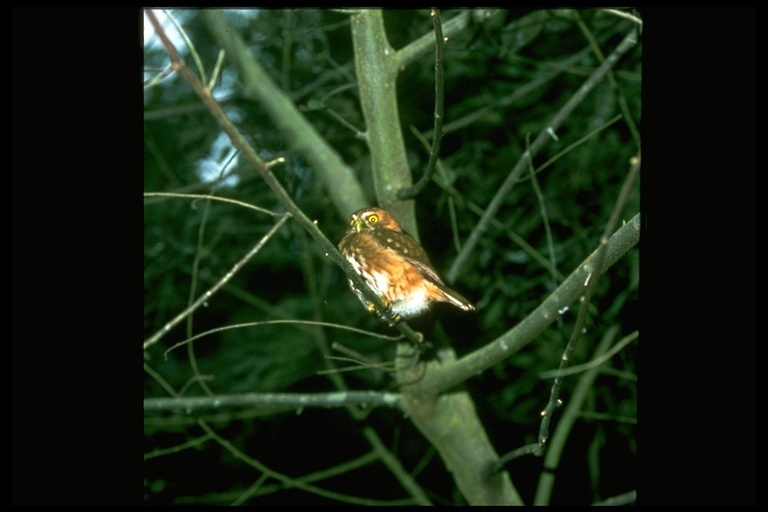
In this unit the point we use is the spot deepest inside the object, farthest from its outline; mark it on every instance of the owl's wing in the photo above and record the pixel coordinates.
(450, 295)
(413, 254)
(426, 270)
(408, 249)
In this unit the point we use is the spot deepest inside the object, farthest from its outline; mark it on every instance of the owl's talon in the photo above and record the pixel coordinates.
(388, 317)
(385, 315)
(394, 320)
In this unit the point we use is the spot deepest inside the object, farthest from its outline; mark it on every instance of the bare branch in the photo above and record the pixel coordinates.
(421, 47)
(411, 192)
(590, 286)
(339, 180)
(544, 136)
(570, 415)
(271, 401)
(282, 195)
(450, 375)
(377, 67)
(215, 288)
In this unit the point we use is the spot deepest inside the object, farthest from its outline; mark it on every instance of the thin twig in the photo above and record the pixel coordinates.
(409, 54)
(358, 366)
(545, 221)
(216, 70)
(570, 147)
(528, 449)
(353, 355)
(626, 498)
(156, 79)
(215, 288)
(192, 443)
(396, 468)
(413, 191)
(542, 78)
(625, 15)
(565, 425)
(590, 285)
(272, 182)
(194, 277)
(214, 198)
(188, 42)
(622, 100)
(623, 342)
(543, 138)
(324, 474)
(292, 482)
(273, 322)
(449, 375)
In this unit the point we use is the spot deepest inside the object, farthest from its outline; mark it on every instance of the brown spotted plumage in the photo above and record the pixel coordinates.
(394, 265)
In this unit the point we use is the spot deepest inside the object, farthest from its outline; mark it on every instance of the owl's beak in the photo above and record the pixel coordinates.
(358, 225)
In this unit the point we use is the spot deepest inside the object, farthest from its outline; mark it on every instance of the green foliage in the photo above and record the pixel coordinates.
(191, 244)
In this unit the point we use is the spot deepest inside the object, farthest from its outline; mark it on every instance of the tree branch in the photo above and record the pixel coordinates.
(270, 401)
(589, 289)
(544, 136)
(571, 413)
(264, 169)
(447, 376)
(339, 180)
(216, 287)
(449, 422)
(412, 192)
(377, 66)
(410, 53)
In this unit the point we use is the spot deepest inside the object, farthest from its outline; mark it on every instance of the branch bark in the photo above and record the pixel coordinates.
(446, 376)
(377, 66)
(269, 401)
(448, 421)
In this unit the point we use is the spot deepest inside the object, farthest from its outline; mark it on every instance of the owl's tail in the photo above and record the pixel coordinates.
(455, 297)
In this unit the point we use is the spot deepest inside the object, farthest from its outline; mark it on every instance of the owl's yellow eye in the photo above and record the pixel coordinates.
(351, 222)
(373, 219)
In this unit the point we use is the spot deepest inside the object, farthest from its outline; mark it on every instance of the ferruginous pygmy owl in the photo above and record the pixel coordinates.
(394, 265)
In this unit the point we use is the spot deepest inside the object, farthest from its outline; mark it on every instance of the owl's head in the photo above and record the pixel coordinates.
(372, 218)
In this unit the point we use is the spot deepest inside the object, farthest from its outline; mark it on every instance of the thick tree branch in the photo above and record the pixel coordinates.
(447, 376)
(377, 66)
(449, 421)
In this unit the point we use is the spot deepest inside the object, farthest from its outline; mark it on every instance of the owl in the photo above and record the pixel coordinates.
(394, 265)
